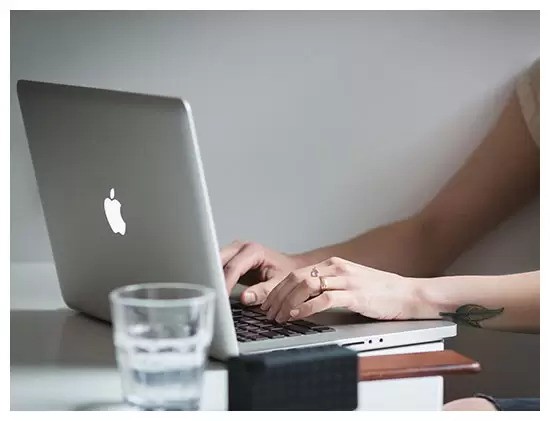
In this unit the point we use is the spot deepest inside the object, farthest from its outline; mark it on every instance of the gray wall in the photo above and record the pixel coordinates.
(313, 125)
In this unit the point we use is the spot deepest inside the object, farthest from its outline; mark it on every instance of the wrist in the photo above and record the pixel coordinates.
(428, 298)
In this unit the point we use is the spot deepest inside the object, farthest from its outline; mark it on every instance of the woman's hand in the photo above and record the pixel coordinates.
(370, 292)
(257, 266)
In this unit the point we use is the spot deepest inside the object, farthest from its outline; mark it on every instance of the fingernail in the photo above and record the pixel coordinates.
(294, 313)
(249, 298)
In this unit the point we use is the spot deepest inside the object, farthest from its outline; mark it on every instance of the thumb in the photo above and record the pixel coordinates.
(256, 294)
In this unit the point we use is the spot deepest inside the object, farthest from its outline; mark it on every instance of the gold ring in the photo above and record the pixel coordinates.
(314, 272)
(323, 283)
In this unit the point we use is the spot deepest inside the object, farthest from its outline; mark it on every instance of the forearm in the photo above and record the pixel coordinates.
(511, 302)
(500, 176)
(406, 247)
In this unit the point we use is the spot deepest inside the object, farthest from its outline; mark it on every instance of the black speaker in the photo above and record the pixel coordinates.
(314, 379)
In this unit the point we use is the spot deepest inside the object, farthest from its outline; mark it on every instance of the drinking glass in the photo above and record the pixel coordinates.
(162, 332)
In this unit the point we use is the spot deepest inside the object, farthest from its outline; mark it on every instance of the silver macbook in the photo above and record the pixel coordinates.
(125, 201)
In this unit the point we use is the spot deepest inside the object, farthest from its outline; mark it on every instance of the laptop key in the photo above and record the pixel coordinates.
(255, 337)
(288, 332)
(254, 328)
(300, 329)
(241, 320)
(304, 323)
(261, 338)
(323, 329)
(273, 335)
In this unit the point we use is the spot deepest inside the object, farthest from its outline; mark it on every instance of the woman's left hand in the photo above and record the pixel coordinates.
(336, 282)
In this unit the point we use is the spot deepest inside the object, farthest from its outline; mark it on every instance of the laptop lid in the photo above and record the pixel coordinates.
(124, 196)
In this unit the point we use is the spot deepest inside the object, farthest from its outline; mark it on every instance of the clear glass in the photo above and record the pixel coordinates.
(162, 333)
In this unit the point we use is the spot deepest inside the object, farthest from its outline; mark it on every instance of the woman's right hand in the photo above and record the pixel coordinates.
(257, 266)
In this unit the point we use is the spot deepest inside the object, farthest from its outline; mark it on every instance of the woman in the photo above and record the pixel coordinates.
(392, 271)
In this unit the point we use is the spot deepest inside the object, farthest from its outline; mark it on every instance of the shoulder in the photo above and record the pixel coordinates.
(528, 93)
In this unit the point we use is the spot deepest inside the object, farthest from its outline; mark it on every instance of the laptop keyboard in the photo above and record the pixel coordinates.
(251, 324)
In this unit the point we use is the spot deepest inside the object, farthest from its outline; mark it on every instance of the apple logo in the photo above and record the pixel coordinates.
(112, 212)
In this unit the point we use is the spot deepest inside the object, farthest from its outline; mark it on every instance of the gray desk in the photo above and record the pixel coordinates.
(61, 360)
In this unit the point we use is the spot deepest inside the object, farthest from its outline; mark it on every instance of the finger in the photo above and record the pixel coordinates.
(277, 296)
(269, 299)
(325, 268)
(304, 291)
(228, 252)
(249, 257)
(257, 294)
(326, 300)
(288, 283)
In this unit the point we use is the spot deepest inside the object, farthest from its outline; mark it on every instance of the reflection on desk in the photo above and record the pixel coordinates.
(62, 338)
(63, 360)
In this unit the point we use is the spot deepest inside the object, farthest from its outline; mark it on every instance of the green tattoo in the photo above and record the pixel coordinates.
(472, 314)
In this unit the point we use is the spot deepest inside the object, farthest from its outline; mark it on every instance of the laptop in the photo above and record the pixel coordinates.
(125, 201)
